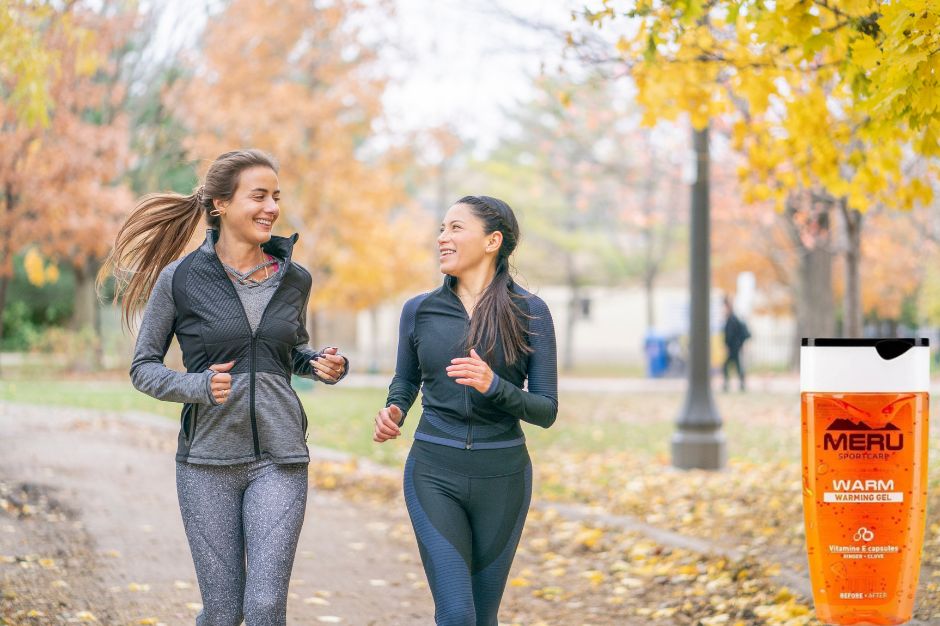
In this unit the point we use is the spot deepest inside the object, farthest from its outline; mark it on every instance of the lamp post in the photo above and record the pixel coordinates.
(699, 441)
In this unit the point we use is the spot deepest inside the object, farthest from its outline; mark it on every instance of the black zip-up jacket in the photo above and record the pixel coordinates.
(262, 417)
(433, 330)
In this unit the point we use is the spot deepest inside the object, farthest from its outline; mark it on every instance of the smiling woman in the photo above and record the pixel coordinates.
(237, 306)
(469, 347)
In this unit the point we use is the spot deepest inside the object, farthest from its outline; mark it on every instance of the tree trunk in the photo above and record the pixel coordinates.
(815, 307)
(6, 252)
(85, 316)
(852, 301)
(86, 301)
(813, 301)
(4, 281)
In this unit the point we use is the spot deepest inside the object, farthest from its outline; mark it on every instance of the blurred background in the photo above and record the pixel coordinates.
(382, 114)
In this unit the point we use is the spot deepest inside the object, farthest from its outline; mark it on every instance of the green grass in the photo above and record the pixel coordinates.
(758, 426)
(90, 394)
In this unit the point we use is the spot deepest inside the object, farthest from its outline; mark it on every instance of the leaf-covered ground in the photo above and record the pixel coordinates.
(572, 569)
(616, 535)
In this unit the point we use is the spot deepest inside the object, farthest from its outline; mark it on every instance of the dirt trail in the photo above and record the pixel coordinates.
(89, 526)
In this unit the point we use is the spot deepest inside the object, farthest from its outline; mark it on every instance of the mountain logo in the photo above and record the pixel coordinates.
(860, 437)
(847, 424)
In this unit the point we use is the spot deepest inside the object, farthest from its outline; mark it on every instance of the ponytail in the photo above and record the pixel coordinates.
(152, 237)
(498, 313)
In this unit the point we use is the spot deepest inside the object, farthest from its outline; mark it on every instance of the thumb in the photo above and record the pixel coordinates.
(395, 411)
(474, 354)
(222, 367)
(330, 350)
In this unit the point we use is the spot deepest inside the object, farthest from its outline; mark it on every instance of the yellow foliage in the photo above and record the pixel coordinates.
(821, 100)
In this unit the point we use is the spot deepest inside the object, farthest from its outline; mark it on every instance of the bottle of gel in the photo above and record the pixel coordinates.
(864, 407)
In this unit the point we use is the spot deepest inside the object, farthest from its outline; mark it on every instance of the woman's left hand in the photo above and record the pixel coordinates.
(472, 371)
(330, 365)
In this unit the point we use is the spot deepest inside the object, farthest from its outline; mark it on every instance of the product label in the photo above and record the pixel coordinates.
(864, 479)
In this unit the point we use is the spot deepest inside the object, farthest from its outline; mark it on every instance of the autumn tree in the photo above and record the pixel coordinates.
(58, 182)
(599, 194)
(297, 79)
(827, 96)
(27, 61)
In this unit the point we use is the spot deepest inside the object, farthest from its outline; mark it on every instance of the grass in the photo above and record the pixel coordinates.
(758, 426)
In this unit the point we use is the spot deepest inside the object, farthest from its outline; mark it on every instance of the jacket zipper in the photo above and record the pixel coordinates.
(466, 401)
(251, 353)
(251, 389)
(466, 391)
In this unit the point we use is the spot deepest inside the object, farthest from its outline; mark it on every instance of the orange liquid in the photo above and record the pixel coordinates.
(864, 503)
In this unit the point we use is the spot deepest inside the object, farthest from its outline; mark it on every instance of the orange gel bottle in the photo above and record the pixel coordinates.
(865, 429)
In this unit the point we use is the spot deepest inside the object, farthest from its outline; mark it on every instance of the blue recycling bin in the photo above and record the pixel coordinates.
(656, 347)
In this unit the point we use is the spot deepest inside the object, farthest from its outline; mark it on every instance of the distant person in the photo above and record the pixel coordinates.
(469, 346)
(237, 306)
(736, 333)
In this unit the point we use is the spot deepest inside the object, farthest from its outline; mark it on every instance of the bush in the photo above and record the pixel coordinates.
(30, 309)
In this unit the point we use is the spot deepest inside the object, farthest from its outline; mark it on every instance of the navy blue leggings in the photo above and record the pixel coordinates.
(467, 508)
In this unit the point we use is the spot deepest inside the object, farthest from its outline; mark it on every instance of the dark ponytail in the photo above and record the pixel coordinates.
(160, 226)
(497, 314)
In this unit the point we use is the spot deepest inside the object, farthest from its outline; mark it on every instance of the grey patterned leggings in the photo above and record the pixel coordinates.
(235, 515)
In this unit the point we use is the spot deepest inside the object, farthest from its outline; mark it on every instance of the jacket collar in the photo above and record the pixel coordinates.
(280, 247)
(450, 283)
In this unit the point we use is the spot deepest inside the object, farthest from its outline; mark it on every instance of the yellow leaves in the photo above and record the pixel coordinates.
(784, 595)
(866, 52)
(519, 581)
(549, 593)
(929, 144)
(816, 87)
(622, 46)
(589, 537)
(756, 87)
(85, 617)
(37, 272)
(786, 613)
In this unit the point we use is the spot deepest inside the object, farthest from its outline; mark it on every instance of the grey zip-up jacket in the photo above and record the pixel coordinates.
(194, 298)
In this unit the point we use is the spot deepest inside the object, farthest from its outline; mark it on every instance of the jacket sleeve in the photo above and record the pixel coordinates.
(148, 373)
(406, 383)
(302, 353)
(538, 405)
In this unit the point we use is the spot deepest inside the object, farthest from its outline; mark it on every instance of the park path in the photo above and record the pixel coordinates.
(90, 526)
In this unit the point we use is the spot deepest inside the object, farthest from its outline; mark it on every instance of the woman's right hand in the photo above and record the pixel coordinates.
(386, 424)
(221, 384)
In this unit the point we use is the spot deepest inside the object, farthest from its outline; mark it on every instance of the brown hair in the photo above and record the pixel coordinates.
(161, 224)
(497, 312)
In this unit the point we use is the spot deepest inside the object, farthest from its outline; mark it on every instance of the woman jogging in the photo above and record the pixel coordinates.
(469, 346)
(237, 306)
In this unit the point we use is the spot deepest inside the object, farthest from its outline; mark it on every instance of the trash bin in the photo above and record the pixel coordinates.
(656, 347)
